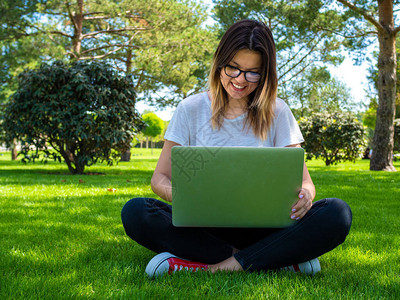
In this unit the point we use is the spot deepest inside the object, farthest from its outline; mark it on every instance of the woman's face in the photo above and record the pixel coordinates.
(239, 88)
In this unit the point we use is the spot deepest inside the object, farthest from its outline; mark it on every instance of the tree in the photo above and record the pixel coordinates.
(317, 91)
(154, 126)
(333, 136)
(161, 42)
(82, 110)
(15, 56)
(19, 50)
(174, 55)
(376, 18)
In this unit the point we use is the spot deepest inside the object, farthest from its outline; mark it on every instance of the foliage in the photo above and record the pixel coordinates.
(83, 110)
(369, 117)
(174, 55)
(18, 49)
(162, 43)
(397, 135)
(333, 136)
(140, 137)
(154, 125)
(318, 91)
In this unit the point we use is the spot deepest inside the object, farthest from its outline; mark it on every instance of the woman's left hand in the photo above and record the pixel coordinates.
(303, 205)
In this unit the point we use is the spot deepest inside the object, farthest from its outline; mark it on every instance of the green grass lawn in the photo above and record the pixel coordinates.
(61, 237)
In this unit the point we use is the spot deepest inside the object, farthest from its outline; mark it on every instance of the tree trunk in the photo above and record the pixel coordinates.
(66, 157)
(79, 168)
(147, 142)
(77, 21)
(382, 151)
(126, 155)
(14, 151)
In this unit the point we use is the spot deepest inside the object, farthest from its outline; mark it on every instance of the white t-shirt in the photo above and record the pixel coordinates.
(191, 126)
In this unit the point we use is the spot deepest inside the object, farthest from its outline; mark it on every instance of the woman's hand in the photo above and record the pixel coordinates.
(306, 195)
(303, 205)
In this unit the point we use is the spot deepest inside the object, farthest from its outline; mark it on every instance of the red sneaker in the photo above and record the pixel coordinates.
(167, 263)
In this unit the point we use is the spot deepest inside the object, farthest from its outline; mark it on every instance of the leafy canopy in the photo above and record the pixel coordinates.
(154, 125)
(162, 43)
(78, 112)
(318, 91)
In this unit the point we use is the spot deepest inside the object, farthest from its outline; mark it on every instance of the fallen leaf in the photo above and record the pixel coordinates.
(128, 180)
(81, 181)
(111, 190)
(64, 180)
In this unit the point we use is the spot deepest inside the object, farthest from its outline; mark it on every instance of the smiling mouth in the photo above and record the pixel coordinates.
(238, 86)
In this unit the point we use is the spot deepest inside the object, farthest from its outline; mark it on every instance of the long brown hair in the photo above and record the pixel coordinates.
(255, 36)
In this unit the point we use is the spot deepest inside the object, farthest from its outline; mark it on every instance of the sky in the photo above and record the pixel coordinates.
(355, 77)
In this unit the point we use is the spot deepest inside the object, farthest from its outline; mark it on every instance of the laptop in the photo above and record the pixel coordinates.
(235, 186)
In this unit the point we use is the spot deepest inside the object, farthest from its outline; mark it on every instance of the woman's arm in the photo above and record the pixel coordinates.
(306, 195)
(161, 180)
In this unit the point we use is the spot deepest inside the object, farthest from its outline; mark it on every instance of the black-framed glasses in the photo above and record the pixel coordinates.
(234, 72)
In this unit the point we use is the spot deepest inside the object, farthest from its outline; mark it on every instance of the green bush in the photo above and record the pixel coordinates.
(333, 136)
(396, 135)
(155, 125)
(78, 112)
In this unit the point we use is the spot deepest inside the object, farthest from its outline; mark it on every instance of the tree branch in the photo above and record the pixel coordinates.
(92, 34)
(362, 12)
(139, 82)
(396, 30)
(61, 33)
(296, 54)
(348, 36)
(71, 17)
(301, 60)
(109, 46)
(43, 31)
(300, 71)
(109, 53)
(93, 13)
(72, 53)
(52, 144)
(100, 56)
(97, 18)
(128, 15)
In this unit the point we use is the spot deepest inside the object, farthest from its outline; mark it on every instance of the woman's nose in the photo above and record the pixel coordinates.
(241, 78)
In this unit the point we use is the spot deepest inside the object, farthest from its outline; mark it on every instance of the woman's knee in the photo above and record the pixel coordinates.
(340, 217)
(132, 215)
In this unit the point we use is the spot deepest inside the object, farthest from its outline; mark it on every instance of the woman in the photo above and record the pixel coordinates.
(239, 109)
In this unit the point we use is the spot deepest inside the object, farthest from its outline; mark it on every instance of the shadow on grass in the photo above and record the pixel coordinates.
(61, 168)
(39, 177)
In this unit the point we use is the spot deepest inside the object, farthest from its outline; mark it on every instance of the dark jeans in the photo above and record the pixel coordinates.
(148, 222)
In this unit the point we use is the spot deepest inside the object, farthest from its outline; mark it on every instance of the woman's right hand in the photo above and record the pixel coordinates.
(161, 180)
